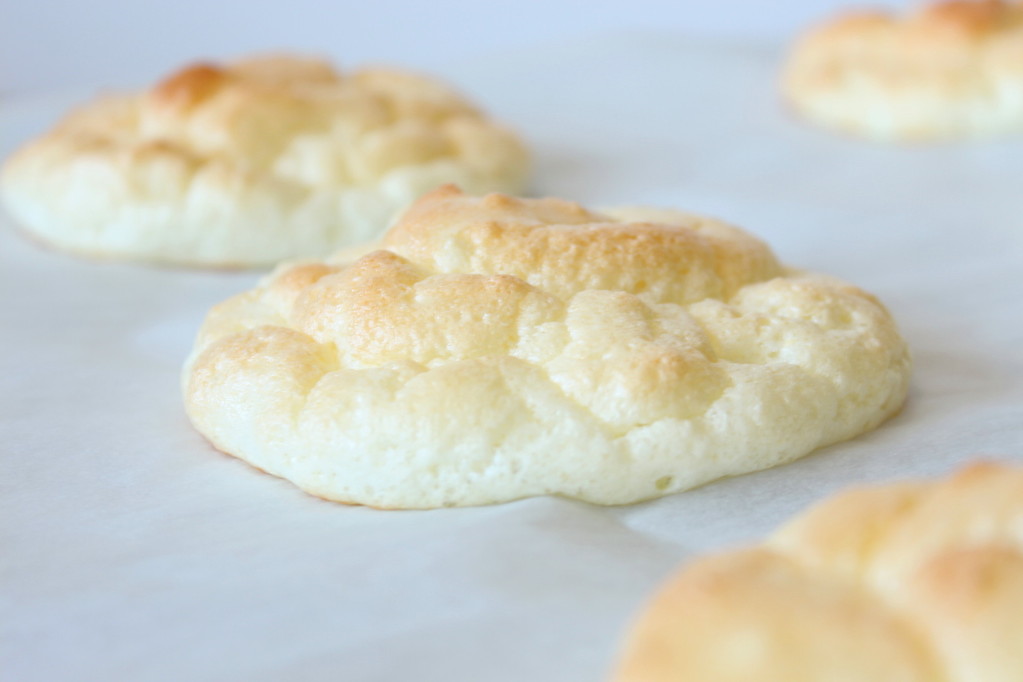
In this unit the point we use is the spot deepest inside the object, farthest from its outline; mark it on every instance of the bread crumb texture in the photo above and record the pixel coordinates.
(948, 70)
(912, 582)
(248, 164)
(496, 348)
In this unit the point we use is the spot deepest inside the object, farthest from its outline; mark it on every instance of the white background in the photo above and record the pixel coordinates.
(48, 43)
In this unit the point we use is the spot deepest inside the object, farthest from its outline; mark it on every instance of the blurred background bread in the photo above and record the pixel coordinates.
(906, 581)
(247, 164)
(947, 70)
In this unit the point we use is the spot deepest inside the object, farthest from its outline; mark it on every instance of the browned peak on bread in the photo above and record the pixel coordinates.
(562, 248)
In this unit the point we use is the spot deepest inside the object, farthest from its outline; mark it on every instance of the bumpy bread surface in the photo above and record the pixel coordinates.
(248, 164)
(950, 70)
(496, 348)
(912, 581)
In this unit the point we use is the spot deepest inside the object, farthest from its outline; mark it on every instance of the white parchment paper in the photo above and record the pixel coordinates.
(130, 550)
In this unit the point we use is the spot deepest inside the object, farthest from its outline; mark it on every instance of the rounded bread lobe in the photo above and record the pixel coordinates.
(496, 348)
(251, 163)
(913, 581)
(952, 69)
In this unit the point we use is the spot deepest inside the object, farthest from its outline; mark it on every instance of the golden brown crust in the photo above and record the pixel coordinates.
(914, 581)
(185, 89)
(975, 19)
(529, 240)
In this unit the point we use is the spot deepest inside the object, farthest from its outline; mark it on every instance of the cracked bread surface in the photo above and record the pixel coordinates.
(489, 349)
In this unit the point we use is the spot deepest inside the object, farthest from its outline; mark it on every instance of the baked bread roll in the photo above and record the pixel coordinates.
(496, 348)
(248, 164)
(912, 581)
(950, 70)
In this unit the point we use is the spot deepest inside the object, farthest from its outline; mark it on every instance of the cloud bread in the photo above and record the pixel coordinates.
(912, 581)
(950, 70)
(248, 164)
(497, 348)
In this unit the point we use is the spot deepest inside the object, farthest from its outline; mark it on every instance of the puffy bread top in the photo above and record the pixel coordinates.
(911, 581)
(885, 44)
(461, 277)
(534, 346)
(298, 119)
